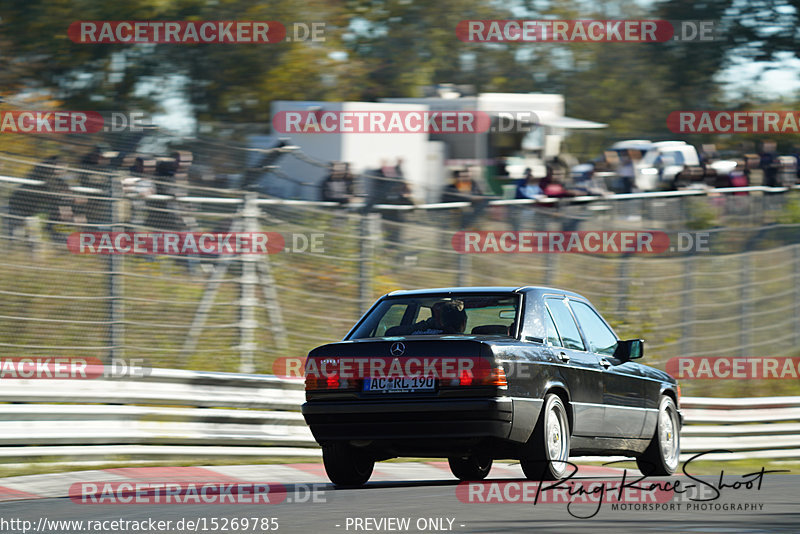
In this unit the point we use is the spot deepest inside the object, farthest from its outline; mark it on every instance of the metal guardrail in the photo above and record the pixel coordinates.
(756, 427)
(40, 183)
(166, 413)
(175, 412)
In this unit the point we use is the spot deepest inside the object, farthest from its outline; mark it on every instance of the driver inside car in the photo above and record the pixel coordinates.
(447, 317)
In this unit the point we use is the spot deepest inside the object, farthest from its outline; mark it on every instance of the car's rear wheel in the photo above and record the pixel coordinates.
(346, 465)
(474, 467)
(547, 451)
(661, 456)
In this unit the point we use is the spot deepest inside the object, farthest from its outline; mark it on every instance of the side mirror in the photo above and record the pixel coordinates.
(631, 349)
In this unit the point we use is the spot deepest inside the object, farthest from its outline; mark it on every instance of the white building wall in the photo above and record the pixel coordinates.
(364, 152)
(369, 151)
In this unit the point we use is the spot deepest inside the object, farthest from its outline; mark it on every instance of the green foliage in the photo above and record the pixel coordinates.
(791, 211)
(700, 214)
(372, 49)
(223, 82)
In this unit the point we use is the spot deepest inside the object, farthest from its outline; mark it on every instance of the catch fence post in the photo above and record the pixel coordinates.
(369, 223)
(746, 306)
(687, 305)
(115, 265)
(247, 292)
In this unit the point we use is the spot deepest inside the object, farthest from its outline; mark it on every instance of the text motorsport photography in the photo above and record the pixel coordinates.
(585, 497)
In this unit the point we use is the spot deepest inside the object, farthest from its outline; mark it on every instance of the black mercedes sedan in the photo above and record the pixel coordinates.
(482, 373)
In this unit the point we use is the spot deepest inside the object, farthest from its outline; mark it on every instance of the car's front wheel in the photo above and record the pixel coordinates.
(547, 451)
(474, 467)
(661, 456)
(346, 465)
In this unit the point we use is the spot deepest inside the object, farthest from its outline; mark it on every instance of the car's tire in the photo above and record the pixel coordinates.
(475, 467)
(547, 451)
(346, 465)
(662, 455)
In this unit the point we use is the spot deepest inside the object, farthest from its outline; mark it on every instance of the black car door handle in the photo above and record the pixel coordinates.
(605, 363)
(563, 357)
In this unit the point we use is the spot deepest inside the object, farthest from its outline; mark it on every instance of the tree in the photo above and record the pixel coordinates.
(230, 82)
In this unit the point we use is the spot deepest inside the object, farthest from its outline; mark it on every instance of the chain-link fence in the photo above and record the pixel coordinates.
(229, 313)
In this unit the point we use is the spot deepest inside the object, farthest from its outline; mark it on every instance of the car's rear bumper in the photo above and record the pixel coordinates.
(409, 419)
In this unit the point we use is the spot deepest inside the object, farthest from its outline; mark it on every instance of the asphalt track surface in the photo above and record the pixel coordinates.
(437, 505)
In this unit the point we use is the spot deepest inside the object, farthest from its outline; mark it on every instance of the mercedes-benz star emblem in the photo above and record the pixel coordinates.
(398, 349)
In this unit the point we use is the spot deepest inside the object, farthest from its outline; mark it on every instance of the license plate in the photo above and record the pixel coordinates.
(399, 384)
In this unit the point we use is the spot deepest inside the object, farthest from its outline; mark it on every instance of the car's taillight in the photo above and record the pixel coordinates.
(329, 381)
(465, 378)
(332, 381)
(311, 382)
(497, 377)
(486, 377)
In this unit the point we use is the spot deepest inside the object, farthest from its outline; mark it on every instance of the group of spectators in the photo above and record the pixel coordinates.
(763, 167)
(384, 185)
(776, 170)
(77, 193)
(555, 184)
(561, 180)
(387, 184)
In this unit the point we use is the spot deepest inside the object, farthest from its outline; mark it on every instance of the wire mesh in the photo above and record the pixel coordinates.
(189, 311)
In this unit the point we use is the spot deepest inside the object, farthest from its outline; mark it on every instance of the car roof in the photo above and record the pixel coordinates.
(669, 144)
(635, 144)
(537, 290)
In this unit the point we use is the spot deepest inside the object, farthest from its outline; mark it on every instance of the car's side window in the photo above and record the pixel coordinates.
(599, 336)
(550, 330)
(565, 324)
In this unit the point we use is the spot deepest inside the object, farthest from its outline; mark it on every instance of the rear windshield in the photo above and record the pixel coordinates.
(438, 315)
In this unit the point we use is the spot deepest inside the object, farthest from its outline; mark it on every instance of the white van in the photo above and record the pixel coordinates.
(662, 163)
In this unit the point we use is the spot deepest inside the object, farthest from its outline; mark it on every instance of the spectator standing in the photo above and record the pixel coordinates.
(769, 163)
(338, 186)
(465, 189)
(528, 186)
(627, 174)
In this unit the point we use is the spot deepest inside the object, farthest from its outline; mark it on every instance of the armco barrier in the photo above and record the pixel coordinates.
(167, 413)
(192, 413)
(752, 427)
